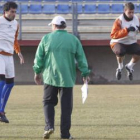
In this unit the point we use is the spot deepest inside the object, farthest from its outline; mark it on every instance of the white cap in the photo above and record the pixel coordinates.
(57, 20)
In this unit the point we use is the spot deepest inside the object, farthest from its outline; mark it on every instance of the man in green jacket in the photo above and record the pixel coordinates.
(55, 60)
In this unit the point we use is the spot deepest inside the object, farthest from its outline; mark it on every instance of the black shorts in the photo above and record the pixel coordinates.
(122, 49)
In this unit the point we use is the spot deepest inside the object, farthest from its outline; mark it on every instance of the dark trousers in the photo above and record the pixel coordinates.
(50, 100)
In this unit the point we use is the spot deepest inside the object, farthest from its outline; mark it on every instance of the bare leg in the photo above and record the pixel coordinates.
(135, 58)
(133, 61)
(120, 66)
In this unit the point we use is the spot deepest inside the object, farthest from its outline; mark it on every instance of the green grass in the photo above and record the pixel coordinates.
(111, 112)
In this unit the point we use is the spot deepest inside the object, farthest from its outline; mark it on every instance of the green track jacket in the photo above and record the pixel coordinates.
(55, 59)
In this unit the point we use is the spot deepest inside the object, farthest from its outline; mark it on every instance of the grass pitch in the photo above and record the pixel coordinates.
(111, 112)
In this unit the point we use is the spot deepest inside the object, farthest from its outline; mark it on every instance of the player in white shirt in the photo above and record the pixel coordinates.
(124, 39)
(8, 43)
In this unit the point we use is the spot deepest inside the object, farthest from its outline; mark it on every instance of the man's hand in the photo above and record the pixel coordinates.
(37, 79)
(86, 79)
(138, 27)
(21, 58)
(131, 28)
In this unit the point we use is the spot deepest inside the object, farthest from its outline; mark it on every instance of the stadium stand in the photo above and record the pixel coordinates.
(89, 9)
(105, 0)
(63, 0)
(103, 9)
(36, 0)
(92, 13)
(48, 9)
(63, 9)
(76, 0)
(91, 0)
(1, 10)
(24, 9)
(80, 8)
(116, 8)
(23, 0)
(137, 8)
(35, 9)
(49, 0)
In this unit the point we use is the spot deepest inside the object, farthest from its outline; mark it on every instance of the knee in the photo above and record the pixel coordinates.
(120, 53)
(45, 102)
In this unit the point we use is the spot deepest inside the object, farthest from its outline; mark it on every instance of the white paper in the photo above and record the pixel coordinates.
(84, 90)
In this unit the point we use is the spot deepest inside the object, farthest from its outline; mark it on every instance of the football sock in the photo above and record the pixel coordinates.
(1, 87)
(120, 65)
(5, 95)
(130, 65)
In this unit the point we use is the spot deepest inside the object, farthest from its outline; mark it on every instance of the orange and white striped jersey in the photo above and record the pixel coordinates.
(120, 34)
(8, 36)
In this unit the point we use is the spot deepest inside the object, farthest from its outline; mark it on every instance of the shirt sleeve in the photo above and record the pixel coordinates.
(81, 59)
(16, 44)
(117, 32)
(39, 58)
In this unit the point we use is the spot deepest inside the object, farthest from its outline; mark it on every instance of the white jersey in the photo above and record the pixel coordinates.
(7, 34)
(131, 37)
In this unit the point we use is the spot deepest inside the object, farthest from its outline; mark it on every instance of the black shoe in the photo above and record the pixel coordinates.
(70, 137)
(3, 118)
(118, 74)
(129, 73)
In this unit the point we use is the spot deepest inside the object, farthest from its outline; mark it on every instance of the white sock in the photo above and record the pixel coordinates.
(120, 65)
(130, 65)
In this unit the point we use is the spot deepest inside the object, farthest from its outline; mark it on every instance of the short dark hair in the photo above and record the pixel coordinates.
(62, 26)
(8, 5)
(129, 6)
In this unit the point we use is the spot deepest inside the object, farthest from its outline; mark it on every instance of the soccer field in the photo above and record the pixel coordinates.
(111, 112)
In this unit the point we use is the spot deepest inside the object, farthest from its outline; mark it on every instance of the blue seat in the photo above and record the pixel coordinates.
(104, 0)
(77, 0)
(103, 8)
(35, 9)
(119, 0)
(23, 0)
(24, 9)
(48, 9)
(117, 8)
(1, 9)
(63, 9)
(131, 0)
(36, 0)
(65, 0)
(80, 8)
(50, 0)
(90, 9)
(6, 0)
(90, 0)
(136, 8)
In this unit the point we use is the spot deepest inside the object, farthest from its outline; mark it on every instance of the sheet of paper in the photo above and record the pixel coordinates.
(84, 90)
